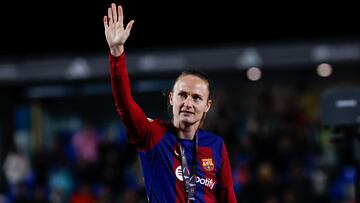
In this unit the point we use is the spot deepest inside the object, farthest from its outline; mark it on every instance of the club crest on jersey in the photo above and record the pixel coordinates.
(208, 164)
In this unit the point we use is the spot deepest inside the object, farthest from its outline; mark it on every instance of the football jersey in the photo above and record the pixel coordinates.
(159, 150)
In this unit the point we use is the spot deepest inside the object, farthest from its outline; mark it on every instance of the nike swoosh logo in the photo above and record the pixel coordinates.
(176, 153)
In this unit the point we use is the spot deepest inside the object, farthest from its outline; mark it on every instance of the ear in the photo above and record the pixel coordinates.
(208, 105)
(171, 98)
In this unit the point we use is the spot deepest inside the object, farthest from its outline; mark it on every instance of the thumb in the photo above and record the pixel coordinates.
(129, 26)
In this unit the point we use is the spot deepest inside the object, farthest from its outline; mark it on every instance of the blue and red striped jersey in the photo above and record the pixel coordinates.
(158, 147)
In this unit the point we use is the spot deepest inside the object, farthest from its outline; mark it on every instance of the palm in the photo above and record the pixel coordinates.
(116, 34)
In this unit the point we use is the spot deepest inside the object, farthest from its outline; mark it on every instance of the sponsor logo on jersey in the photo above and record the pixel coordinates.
(208, 164)
(208, 182)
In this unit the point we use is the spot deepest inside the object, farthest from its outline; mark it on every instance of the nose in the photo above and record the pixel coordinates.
(188, 102)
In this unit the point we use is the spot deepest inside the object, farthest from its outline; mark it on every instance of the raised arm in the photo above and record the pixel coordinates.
(115, 33)
(141, 131)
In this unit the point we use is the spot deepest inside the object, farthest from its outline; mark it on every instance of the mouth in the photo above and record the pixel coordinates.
(186, 112)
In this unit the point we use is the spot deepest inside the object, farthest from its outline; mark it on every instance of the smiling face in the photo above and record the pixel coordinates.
(189, 100)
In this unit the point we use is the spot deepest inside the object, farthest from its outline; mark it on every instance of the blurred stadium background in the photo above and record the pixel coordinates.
(60, 137)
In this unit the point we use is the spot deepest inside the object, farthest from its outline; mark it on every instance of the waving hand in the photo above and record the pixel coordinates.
(115, 33)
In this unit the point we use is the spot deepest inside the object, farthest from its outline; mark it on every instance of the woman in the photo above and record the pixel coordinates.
(180, 161)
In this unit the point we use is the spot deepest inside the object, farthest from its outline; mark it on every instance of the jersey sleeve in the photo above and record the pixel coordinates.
(143, 132)
(226, 193)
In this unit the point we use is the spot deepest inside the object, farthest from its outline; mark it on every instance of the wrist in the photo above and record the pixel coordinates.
(117, 51)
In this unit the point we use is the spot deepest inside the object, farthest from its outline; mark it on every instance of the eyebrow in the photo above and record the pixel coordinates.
(194, 94)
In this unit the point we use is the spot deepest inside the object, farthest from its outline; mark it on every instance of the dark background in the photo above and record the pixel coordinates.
(36, 27)
(283, 104)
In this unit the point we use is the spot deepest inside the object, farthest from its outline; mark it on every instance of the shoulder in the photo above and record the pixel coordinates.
(209, 138)
(209, 134)
(160, 124)
(157, 121)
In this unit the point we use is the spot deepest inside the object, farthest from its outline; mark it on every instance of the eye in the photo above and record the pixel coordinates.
(197, 98)
(182, 94)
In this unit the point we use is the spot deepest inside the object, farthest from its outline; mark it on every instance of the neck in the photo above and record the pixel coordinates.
(187, 131)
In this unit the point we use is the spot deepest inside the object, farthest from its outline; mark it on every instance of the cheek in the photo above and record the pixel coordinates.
(201, 108)
(177, 102)
(175, 105)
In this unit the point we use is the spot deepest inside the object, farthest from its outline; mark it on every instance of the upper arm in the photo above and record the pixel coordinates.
(226, 187)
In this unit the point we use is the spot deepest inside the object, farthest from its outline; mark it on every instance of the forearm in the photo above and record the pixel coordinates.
(131, 114)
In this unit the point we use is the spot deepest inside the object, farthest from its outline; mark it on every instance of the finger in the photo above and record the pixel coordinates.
(129, 26)
(114, 12)
(121, 15)
(110, 16)
(105, 19)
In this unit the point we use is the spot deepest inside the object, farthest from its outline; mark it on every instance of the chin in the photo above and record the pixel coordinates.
(188, 121)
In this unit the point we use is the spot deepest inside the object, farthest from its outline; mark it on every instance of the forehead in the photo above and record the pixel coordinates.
(191, 83)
